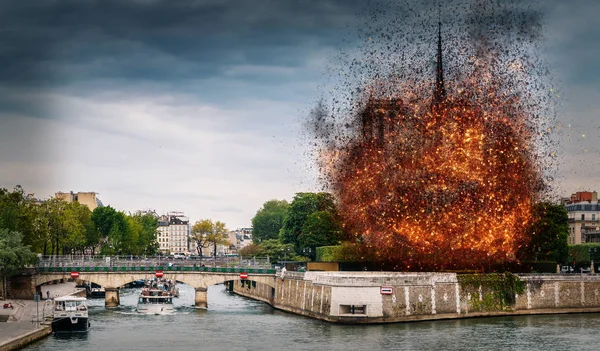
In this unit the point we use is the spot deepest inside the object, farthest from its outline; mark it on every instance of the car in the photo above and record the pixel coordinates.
(179, 256)
(566, 269)
(586, 270)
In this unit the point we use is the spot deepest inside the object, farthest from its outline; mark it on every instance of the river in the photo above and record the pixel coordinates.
(236, 323)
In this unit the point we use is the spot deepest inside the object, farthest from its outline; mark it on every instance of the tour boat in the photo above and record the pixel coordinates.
(70, 315)
(155, 301)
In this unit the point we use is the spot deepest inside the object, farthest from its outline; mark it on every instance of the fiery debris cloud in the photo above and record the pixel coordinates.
(429, 180)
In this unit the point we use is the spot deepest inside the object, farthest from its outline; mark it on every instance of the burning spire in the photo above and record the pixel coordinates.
(439, 92)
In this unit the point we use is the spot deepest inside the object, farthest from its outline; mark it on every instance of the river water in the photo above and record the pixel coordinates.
(236, 323)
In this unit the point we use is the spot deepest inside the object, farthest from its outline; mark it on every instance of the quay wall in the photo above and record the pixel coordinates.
(21, 341)
(380, 297)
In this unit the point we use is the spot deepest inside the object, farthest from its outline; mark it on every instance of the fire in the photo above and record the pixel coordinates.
(438, 185)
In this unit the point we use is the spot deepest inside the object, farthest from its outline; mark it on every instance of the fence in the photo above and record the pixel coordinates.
(136, 261)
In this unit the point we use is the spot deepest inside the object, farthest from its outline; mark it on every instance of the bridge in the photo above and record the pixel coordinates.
(117, 274)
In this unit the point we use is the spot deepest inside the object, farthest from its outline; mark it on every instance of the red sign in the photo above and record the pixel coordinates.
(243, 275)
(74, 274)
(386, 290)
(159, 274)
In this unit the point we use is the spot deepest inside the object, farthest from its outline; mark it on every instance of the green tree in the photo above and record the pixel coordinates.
(321, 228)
(104, 218)
(17, 213)
(147, 237)
(118, 240)
(301, 207)
(548, 234)
(73, 230)
(277, 251)
(207, 233)
(13, 254)
(251, 250)
(268, 220)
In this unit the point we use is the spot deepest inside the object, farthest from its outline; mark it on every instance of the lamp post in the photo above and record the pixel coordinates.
(285, 250)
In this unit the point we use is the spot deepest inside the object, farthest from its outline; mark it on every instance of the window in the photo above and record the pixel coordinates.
(583, 217)
(593, 216)
(353, 309)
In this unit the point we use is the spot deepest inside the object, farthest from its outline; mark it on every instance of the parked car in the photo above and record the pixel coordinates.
(179, 256)
(586, 270)
(566, 269)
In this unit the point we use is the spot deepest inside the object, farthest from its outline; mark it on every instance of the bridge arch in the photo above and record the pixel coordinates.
(113, 281)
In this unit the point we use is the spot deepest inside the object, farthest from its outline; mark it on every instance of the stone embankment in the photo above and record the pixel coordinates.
(27, 321)
(382, 297)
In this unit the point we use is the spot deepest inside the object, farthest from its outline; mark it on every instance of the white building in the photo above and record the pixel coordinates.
(584, 217)
(173, 233)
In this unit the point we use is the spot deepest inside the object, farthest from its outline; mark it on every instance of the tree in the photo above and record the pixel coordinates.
(205, 233)
(103, 218)
(17, 213)
(302, 206)
(13, 254)
(548, 234)
(277, 251)
(321, 228)
(147, 238)
(73, 230)
(251, 250)
(268, 220)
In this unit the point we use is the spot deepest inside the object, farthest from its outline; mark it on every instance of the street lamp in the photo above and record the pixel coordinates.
(285, 251)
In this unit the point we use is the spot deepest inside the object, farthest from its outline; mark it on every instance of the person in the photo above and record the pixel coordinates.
(283, 270)
(48, 294)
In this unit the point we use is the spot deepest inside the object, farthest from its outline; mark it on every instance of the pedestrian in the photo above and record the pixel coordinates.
(47, 294)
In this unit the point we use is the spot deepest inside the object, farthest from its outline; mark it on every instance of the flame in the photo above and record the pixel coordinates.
(444, 187)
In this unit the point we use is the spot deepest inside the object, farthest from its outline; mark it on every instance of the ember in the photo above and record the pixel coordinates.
(437, 180)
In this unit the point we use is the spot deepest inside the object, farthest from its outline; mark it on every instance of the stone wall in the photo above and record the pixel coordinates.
(20, 287)
(358, 297)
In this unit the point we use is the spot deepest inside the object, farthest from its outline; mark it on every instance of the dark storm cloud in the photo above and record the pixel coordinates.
(55, 41)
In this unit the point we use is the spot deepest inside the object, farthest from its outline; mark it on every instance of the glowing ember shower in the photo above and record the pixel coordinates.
(447, 188)
(437, 180)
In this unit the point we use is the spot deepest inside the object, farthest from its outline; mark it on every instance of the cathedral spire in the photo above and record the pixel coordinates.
(439, 93)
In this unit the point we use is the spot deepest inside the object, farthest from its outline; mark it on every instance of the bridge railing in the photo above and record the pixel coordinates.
(158, 261)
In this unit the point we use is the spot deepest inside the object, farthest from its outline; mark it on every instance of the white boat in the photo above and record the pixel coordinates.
(155, 301)
(70, 315)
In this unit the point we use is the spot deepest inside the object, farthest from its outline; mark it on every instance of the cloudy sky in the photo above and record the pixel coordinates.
(198, 106)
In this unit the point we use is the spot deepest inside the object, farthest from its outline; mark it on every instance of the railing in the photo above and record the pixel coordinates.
(152, 269)
(132, 263)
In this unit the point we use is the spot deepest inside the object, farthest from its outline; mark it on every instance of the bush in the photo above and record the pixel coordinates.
(539, 267)
(346, 252)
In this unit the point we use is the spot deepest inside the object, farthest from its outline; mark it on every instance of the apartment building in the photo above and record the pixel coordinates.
(173, 233)
(584, 217)
(88, 199)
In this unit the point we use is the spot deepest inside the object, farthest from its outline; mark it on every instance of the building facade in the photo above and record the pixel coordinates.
(173, 233)
(88, 199)
(584, 217)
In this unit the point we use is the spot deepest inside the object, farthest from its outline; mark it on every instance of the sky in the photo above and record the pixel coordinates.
(200, 105)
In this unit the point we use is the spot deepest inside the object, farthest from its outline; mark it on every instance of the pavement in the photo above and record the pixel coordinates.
(26, 313)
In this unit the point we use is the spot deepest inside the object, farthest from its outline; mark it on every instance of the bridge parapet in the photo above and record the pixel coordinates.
(80, 269)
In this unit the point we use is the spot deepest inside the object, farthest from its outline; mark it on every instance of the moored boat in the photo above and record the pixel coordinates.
(70, 315)
(97, 291)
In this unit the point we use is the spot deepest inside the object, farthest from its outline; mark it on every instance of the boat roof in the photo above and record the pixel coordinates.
(70, 298)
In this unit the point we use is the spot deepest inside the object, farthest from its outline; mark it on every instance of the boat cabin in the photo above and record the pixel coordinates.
(70, 304)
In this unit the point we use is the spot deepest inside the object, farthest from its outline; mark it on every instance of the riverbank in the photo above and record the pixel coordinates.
(27, 321)
(390, 297)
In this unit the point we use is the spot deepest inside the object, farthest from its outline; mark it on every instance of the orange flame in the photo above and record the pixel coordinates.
(443, 187)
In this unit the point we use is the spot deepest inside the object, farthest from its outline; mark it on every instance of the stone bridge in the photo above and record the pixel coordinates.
(113, 278)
